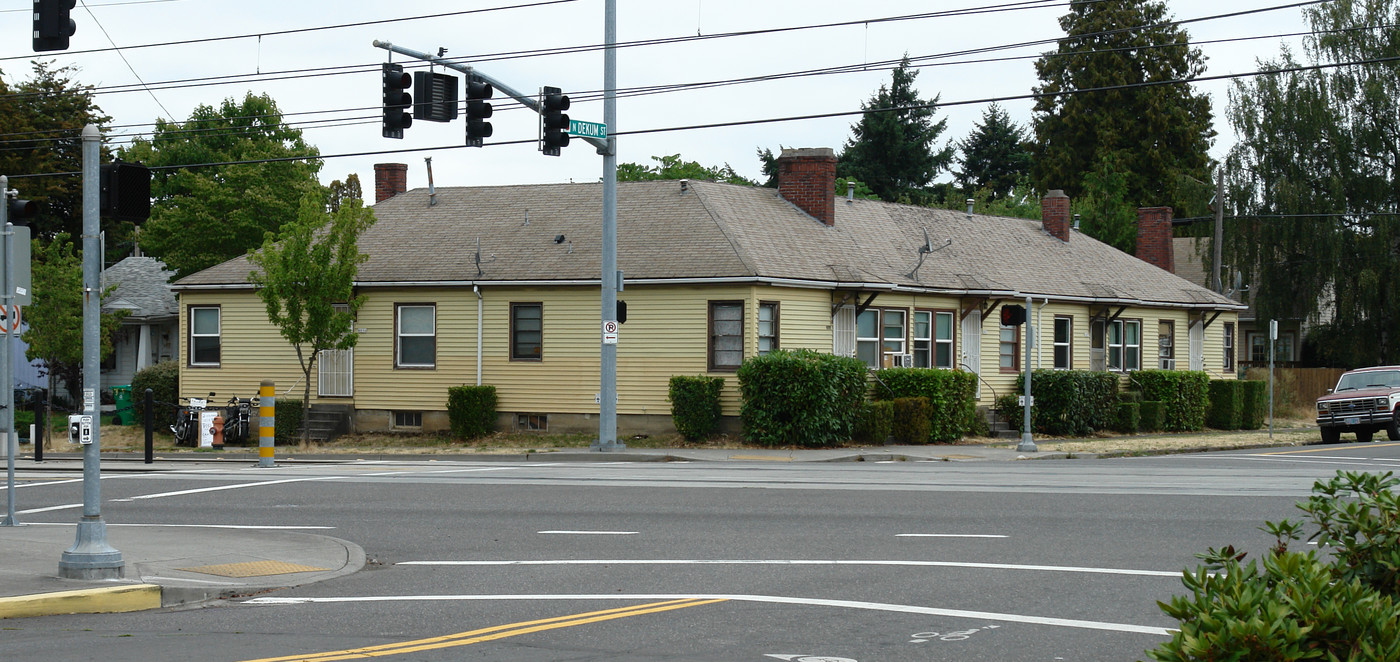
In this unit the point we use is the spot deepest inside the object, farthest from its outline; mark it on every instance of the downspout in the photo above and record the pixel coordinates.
(476, 290)
(1039, 329)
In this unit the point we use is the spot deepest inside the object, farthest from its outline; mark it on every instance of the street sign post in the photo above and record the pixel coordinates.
(588, 129)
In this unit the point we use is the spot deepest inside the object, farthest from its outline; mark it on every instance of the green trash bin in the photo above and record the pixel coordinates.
(125, 414)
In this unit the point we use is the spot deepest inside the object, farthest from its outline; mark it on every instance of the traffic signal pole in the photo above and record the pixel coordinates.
(7, 417)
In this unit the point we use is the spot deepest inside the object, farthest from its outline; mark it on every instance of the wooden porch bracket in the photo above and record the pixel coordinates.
(970, 305)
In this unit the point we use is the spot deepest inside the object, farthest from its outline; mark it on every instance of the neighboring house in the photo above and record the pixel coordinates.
(499, 285)
(150, 332)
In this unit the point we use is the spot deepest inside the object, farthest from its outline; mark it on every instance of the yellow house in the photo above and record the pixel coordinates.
(500, 285)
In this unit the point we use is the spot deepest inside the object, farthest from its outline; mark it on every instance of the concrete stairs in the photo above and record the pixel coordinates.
(326, 422)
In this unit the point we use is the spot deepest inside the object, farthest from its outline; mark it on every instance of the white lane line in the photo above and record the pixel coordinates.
(448, 471)
(593, 533)
(65, 506)
(250, 527)
(948, 535)
(772, 599)
(811, 562)
(52, 482)
(239, 486)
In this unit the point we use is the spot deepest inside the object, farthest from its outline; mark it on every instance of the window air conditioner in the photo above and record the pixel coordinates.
(906, 360)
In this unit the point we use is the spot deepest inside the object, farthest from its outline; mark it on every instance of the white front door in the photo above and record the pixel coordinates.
(972, 346)
(1197, 342)
(335, 376)
(843, 331)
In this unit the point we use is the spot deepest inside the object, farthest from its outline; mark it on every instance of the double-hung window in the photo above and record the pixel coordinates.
(880, 332)
(1064, 343)
(1125, 345)
(415, 336)
(204, 336)
(1009, 348)
(526, 331)
(1229, 346)
(726, 335)
(767, 327)
(1166, 345)
(933, 339)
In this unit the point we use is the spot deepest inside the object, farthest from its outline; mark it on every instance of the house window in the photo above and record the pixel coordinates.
(1009, 348)
(767, 327)
(1125, 345)
(880, 332)
(1229, 346)
(415, 336)
(1259, 347)
(893, 330)
(933, 339)
(526, 331)
(408, 419)
(204, 336)
(1064, 339)
(726, 335)
(532, 422)
(1166, 344)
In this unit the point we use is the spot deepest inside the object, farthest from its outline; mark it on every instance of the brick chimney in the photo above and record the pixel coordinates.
(1054, 214)
(1154, 236)
(807, 178)
(390, 179)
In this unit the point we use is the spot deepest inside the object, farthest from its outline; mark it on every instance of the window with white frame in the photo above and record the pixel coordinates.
(868, 337)
(415, 333)
(1064, 343)
(726, 335)
(1125, 345)
(893, 331)
(923, 339)
(933, 339)
(880, 331)
(767, 327)
(1166, 344)
(1009, 348)
(1229, 346)
(204, 336)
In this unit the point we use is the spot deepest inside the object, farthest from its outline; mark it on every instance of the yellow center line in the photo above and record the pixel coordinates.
(1324, 450)
(492, 633)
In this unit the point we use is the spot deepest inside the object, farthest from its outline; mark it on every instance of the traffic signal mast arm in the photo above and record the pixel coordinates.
(530, 102)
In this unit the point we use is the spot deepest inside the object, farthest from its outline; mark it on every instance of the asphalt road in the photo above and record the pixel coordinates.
(734, 561)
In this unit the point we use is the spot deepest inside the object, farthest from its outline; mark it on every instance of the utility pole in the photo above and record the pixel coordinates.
(91, 557)
(7, 417)
(1027, 444)
(1219, 230)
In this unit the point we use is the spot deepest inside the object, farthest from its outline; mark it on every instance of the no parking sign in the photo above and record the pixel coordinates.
(610, 332)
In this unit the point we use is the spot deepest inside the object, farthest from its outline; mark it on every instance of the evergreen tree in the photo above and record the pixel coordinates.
(340, 193)
(672, 167)
(891, 148)
(1155, 133)
(994, 156)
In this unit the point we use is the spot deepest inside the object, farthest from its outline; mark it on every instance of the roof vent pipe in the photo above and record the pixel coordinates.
(970, 203)
(685, 186)
(1076, 221)
(432, 193)
(850, 192)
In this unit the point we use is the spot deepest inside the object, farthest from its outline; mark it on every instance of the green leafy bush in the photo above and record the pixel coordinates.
(471, 411)
(911, 420)
(1128, 418)
(1182, 394)
(1151, 412)
(1301, 605)
(1224, 411)
(1067, 402)
(876, 422)
(695, 407)
(951, 396)
(1254, 404)
(800, 398)
(164, 381)
(287, 428)
(1012, 413)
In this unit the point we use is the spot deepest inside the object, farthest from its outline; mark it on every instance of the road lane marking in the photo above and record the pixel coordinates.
(496, 632)
(1324, 450)
(810, 562)
(948, 535)
(250, 527)
(593, 533)
(770, 599)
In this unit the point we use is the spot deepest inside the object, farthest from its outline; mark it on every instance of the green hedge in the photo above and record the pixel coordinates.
(164, 381)
(287, 428)
(695, 405)
(1182, 394)
(1254, 404)
(876, 423)
(1152, 414)
(471, 410)
(1128, 417)
(951, 395)
(1224, 412)
(800, 398)
(1068, 403)
(911, 420)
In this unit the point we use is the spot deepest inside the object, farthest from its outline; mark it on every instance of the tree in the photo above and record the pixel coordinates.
(304, 272)
(339, 193)
(891, 148)
(1313, 184)
(1154, 132)
(994, 156)
(1104, 208)
(202, 215)
(42, 121)
(672, 167)
(55, 316)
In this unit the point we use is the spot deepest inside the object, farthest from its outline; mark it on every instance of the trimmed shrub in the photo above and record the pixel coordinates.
(1151, 413)
(876, 422)
(471, 411)
(1254, 404)
(1067, 402)
(695, 405)
(1128, 417)
(1182, 394)
(1130, 396)
(1224, 412)
(911, 420)
(164, 381)
(951, 396)
(288, 425)
(800, 398)
(1009, 411)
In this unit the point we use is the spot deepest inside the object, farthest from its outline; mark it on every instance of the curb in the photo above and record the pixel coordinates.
(106, 600)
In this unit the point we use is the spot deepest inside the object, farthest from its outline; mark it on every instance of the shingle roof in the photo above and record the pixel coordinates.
(723, 231)
(143, 287)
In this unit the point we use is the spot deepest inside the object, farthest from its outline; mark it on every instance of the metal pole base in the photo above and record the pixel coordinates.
(1026, 445)
(10, 521)
(608, 447)
(91, 557)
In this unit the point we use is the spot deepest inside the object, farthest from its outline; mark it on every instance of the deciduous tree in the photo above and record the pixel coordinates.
(55, 316)
(672, 167)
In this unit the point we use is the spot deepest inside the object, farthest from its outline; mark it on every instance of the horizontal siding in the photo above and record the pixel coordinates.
(251, 350)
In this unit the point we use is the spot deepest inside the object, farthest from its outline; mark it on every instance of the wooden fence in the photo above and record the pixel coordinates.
(1298, 387)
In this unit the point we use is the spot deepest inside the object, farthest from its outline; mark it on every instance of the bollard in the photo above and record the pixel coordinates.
(267, 423)
(41, 423)
(150, 426)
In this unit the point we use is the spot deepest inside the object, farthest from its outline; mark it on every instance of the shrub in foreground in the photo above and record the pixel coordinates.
(695, 407)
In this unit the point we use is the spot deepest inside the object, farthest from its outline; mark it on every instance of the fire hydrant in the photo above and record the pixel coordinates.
(217, 431)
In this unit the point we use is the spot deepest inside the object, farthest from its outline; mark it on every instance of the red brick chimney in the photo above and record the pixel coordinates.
(390, 179)
(1054, 214)
(1154, 236)
(807, 178)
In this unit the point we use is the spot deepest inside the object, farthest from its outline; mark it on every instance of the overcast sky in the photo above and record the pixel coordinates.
(348, 104)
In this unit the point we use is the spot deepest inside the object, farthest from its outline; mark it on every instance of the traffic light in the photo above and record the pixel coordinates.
(125, 191)
(396, 100)
(554, 124)
(435, 96)
(1012, 315)
(52, 26)
(477, 111)
(621, 311)
(20, 211)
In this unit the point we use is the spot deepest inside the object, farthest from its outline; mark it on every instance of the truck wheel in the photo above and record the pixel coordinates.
(1364, 436)
(1392, 431)
(1331, 435)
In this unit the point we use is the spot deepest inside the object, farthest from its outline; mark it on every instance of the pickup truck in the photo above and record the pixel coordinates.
(1363, 402)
